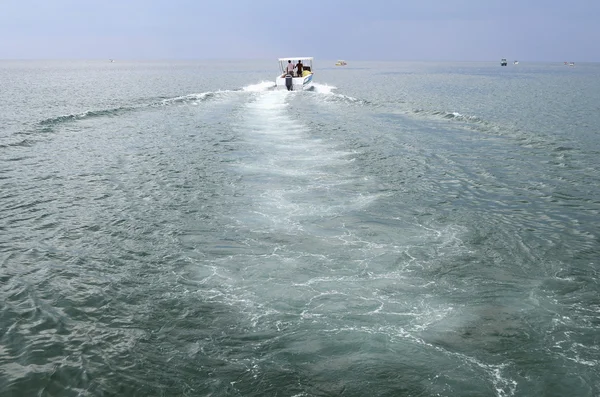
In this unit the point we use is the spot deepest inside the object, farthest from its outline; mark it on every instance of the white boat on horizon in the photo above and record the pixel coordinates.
(341, 62)
(292, 81)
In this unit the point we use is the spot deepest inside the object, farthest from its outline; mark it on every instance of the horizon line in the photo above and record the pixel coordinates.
(276, 58)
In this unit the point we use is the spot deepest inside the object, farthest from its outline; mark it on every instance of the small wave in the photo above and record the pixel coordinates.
(19, 143)
(523, 137)
(323, 88)
(473, 122)
(563, 149)
(184, 99)
(84, 115)
(348, 98)
(328, 90)
(123, 109)
(455, 116)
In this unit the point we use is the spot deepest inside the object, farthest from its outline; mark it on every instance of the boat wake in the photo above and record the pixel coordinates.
(329, 95)
(292, 172)
(323, 88)
(456, 116)
(521, 136)
(191, 99)
(49, 124)
(260, 87)
(326, 92)
(270, 85)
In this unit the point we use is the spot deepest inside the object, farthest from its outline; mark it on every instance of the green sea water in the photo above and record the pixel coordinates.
(402, 229)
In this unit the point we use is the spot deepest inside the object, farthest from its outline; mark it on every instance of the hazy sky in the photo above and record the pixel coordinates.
(470, 30)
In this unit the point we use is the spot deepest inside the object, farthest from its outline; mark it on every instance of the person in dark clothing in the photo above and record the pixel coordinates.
(299, 68)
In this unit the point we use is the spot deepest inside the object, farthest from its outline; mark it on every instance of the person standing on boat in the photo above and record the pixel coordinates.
(299, 68)
(289, 68)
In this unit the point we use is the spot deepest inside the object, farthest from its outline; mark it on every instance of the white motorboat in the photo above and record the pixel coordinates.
(294, 81)
(341, 62)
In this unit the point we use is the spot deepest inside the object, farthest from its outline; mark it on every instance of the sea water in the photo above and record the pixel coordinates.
(402, 229)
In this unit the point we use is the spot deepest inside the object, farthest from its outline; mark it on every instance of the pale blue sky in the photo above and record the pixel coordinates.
(470, 30)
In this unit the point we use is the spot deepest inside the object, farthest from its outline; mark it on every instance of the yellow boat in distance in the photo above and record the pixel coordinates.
(341, 63)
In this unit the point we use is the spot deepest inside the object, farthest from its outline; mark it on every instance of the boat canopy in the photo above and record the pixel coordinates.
(295, 59)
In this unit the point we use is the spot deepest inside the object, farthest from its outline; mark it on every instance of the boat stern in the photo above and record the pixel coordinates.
(298, 83)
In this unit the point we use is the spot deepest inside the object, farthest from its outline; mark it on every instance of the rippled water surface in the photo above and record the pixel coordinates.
(403, 229)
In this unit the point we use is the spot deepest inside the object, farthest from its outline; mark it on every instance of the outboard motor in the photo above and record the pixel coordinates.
(289, 82)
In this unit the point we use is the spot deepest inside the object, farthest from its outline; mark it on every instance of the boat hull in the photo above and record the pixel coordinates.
(299, 83)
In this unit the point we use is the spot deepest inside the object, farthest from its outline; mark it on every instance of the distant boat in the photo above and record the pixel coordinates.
(341, 63)
(503, 62)
(111, 60)
(571, 63)
(515, 62)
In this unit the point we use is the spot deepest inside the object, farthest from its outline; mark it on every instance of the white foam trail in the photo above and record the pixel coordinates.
(187, 98)
(324, 88)
(292, 172)
(327, 91)
(260, 87)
